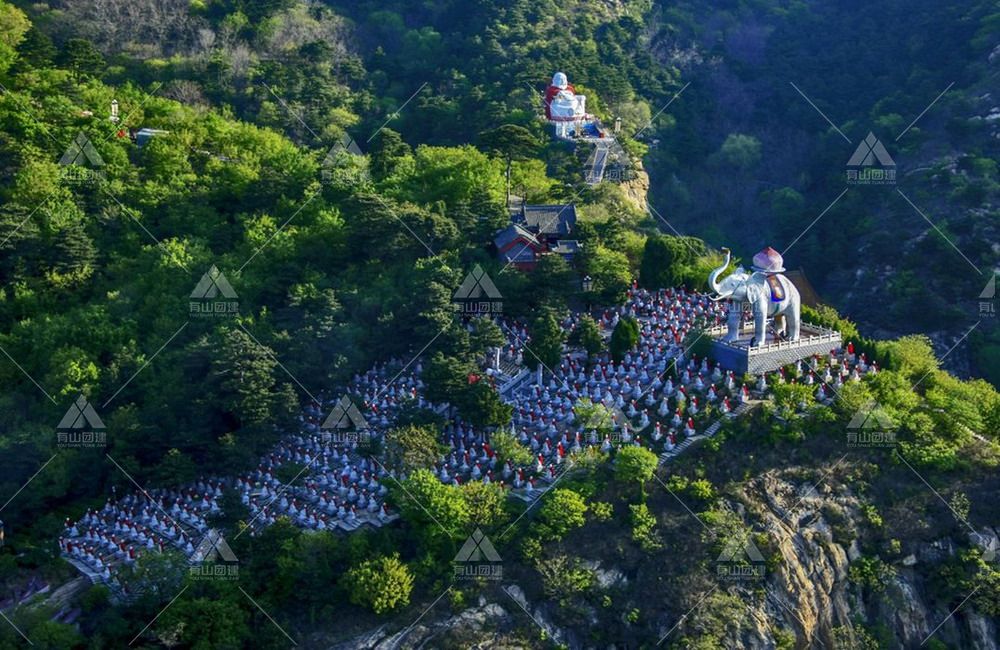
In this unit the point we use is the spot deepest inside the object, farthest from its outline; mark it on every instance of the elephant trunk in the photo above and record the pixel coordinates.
(713, 277)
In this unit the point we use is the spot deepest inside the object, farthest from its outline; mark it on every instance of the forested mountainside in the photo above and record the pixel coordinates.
(753, 150)
(335, 170)
(911, 255)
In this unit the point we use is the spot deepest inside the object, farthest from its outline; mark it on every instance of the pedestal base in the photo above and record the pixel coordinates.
(739, 357)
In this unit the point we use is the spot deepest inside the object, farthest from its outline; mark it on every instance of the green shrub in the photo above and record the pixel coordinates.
(871, 573)
(563, 577)
(562, 510)
(644, 528)
(382, 584)
(602, 511)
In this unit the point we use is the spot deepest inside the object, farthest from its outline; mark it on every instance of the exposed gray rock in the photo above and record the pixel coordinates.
(606, 578)
(811, 592)
(983, 631)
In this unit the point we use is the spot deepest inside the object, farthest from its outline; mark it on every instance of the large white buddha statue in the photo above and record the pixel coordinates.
(562, 105)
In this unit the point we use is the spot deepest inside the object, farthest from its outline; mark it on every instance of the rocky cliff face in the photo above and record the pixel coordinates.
(810, 591)
(636, 190)
(814, 527)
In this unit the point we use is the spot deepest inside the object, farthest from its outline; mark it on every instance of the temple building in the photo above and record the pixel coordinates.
(537, 230)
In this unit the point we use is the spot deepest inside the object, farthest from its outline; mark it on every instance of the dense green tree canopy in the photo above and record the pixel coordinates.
(345, 164)
(382, 584)
(624, 337)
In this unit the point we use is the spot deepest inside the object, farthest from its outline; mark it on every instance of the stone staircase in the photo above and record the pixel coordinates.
(509, 368)
(598, 161)
(516, 381)
(712, 429)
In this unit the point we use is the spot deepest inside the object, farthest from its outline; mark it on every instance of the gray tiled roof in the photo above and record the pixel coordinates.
(566, 247)
(548, 219)
(519, 254)
(510, 233)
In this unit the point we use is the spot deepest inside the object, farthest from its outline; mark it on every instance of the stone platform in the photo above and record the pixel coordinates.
(739, 357)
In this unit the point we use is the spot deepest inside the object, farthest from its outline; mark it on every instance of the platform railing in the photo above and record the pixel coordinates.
(821, 334)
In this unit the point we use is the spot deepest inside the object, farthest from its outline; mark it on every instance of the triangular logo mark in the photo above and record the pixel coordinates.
(81, 151)
(870, 151)
(213, 546)
(736, 551)
(346, 145)
(607, 418)
(81, 415)
(477, 548)
(345, 415)
(338, 167)
(619, 420)
(476, 285)
(212, 285)
(601, 418)
(870, 416)
(990, 290)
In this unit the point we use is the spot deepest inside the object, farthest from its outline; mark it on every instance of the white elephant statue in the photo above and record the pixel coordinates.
(769, 294)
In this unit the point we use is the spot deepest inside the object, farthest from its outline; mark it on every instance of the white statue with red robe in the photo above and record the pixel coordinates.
(563, 106)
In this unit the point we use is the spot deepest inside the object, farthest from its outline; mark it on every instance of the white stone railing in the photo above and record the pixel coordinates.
(817, 335)
(514, 382)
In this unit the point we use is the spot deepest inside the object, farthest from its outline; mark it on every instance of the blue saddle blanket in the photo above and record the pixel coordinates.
(777, 289)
